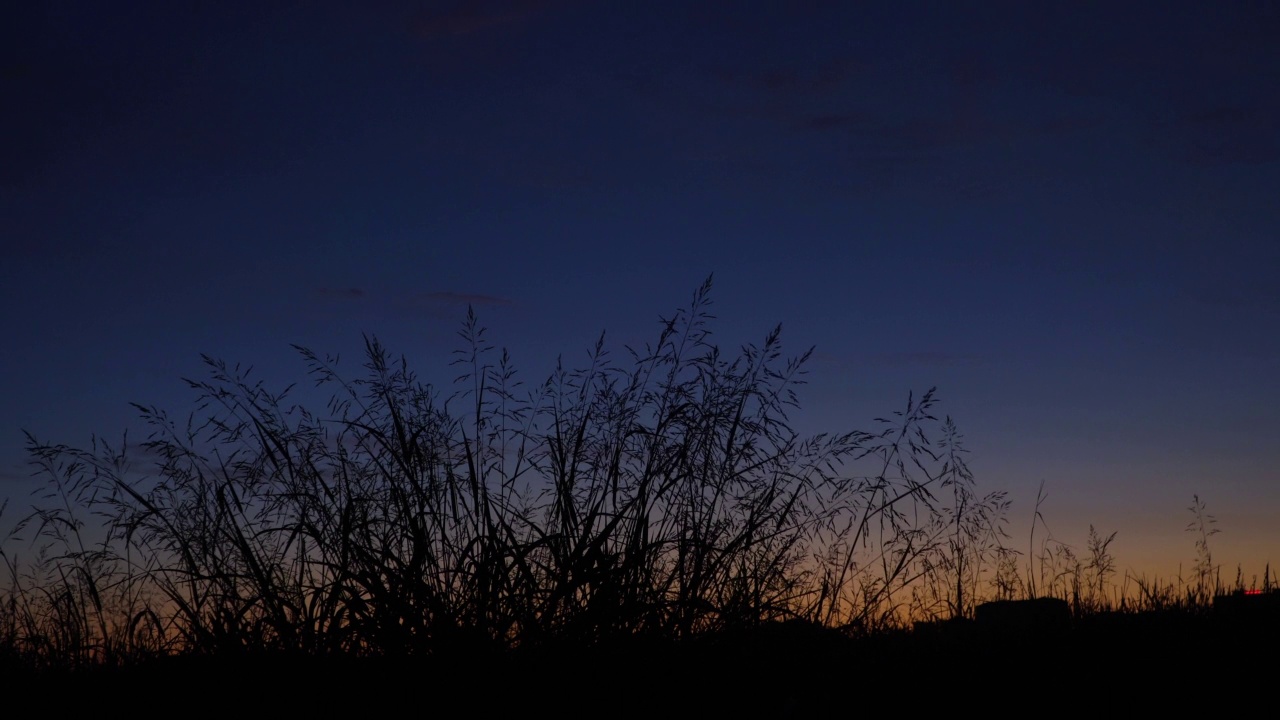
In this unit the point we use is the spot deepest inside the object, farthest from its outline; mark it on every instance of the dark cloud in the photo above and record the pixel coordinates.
(833, 121)
(1067, 124)
(439, 304)
(884, 136)
(923, 358)
(14, 475)
(140, 458)
(454, 298)
(1223, 135)
(817, 78)
(144, 456)
(350, 293)
(930, 358)
(445, 305)
(1232, 295)
(908, 136)
(473, 16)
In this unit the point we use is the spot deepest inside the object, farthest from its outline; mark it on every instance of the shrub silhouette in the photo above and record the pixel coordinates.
(665, 497)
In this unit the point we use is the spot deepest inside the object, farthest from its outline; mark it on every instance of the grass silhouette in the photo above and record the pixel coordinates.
(583, 526)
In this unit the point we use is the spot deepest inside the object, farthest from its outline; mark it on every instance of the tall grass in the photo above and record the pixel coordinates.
(665, 495)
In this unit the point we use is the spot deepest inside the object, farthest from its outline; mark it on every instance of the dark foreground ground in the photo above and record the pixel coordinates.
(1100, 666)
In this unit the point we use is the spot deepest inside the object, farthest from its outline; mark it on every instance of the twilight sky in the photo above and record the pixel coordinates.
(1064, 215)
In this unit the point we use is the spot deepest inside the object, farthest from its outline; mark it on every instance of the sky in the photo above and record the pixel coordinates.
(1062, 215)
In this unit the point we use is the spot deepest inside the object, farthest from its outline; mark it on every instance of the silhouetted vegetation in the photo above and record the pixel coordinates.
(663, 499)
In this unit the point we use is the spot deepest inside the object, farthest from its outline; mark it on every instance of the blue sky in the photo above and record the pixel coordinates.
(1062, 215)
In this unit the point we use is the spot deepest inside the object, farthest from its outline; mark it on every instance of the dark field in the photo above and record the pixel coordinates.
(1101, 664)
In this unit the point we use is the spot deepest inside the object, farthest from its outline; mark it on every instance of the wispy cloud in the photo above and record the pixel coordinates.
(1223, 135)
(349, 293)
(474, 16)
(443, 304)
(919, 358)
(929, 358)
(832, 121)
(456, 298)
(14, 475)
(1233, 295)
(815, 78)
(439, 303)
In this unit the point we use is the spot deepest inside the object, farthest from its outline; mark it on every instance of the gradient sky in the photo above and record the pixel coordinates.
(1064, 215)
